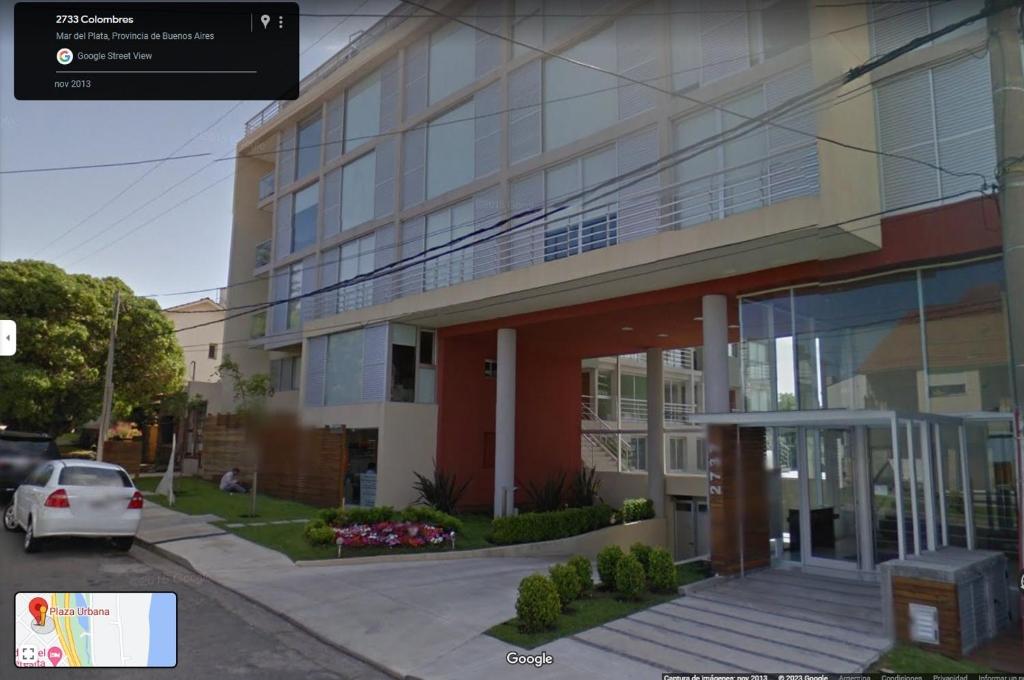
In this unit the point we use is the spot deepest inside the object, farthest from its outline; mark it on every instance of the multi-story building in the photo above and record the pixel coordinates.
(450, 223)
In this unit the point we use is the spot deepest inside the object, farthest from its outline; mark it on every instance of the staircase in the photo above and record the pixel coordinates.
(600, 443)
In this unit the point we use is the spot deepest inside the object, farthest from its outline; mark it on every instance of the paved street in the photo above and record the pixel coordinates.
(220, 634)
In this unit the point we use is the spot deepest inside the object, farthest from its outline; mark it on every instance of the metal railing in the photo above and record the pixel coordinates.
(605, 446)
(262, 254)
(354, 46)
(266, 186)
(635, 410)
(676, 358)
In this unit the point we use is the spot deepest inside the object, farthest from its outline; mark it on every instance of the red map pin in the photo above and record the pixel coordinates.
(37, 608)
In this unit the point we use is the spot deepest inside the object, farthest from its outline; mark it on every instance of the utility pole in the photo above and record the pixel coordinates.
(108, 381)
(1004, 29)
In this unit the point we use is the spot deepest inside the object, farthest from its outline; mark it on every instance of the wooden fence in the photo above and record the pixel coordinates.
(294, 463)
(124, 452)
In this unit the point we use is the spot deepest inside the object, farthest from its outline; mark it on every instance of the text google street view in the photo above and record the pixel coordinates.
(448, 339)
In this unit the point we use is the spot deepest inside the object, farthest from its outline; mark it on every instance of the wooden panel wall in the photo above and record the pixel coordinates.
(124, 452)
(936, 594)
(737, 499)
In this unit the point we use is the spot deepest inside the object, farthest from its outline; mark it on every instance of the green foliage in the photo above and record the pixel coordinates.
(422, 513)
(358, 515)
(661, 571)
(318, 533)
(584, 571)
(642, 553)
(635, 509)
(567, 583)
(607, 560)
(629, 578)
(585, 485)
(54, 383)
(547, 496)
(179, 404)
(442, 492)
(251, 393)
(538, 603)
(546, 526)
(328, 515)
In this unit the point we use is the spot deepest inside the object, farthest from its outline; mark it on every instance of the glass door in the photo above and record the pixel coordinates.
(829, 516)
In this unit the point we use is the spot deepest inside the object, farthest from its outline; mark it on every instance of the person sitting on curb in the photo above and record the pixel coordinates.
(229, 482)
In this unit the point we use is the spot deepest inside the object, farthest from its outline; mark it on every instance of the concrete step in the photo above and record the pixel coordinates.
(799, 578)
(660, 656)
(864, 599)
(844, 607)
(741, 656)
(716, 624)
(777, 605)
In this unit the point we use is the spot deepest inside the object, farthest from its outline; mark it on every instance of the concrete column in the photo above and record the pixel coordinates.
(656, 430)
(505, 424)
(716, 354)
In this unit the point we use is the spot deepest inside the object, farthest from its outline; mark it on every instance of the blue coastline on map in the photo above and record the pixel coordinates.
(163, 630)
(81, 629)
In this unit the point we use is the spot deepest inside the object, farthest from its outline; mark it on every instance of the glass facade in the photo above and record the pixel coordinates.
(450, 149)
(304, 217)
(362, 111)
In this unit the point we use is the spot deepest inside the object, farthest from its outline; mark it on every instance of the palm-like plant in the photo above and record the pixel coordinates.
(585, 485)
(547, 496)
(442, 492)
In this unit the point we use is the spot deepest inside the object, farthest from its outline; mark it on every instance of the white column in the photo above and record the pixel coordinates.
(716, 354)
(505, 424)
(656, 430)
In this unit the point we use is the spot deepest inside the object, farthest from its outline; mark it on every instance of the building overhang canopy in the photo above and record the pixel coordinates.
(825, 418)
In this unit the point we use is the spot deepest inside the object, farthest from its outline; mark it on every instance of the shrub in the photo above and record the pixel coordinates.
(584, 487)
(584, 571)
(642, 553)
(318, 533)
(422, 513)
(329, 515)
(538, 604)
(530, 527)
(635, 509)
(607, 560)
(629, 578)
(364, 515)
(547, 496)
(567, 583)
(442, 492)
(661, 572)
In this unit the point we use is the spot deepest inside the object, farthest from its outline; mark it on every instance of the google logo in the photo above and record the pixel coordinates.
(64, 56)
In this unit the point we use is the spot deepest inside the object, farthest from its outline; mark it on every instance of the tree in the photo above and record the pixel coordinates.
(251, 393)
(55, 381)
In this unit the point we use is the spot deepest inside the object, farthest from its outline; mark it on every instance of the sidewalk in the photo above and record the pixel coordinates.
(419, 620)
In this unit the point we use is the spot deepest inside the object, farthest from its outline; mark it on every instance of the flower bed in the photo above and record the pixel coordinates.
(391, 534)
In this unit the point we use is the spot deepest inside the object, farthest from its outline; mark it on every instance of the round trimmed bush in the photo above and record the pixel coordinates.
(607, 560)
(629, 578)
(661, 572)
(567, 583)
(537, 605)
(584, 571)
(318, 533)
(643, 555)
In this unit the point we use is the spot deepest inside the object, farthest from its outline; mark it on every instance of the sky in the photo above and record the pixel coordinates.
(157, 237)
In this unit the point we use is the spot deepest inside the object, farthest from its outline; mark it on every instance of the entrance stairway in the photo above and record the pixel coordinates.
(774, 621)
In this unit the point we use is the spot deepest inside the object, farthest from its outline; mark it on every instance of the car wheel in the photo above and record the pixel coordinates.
(10, 521)
(123, 543)
(31, 542)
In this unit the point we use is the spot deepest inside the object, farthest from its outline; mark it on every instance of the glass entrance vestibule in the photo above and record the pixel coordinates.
(851, 489)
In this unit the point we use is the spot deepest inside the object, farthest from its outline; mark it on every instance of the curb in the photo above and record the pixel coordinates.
(181, 561)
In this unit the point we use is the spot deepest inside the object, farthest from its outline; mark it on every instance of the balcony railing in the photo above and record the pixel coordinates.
(263, 254)
(635, 410)
(266, 189)
(676, 358)
(258, 325)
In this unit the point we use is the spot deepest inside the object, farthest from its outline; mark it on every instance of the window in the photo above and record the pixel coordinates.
(308, 147)
(356, 258)
(427, 348)
(702, 455)
(362, 111)
(584, 225)
(444, 226)
(635, 455)
(889, 32)
(211, 352)
(536, 22)
(284, 374)
(403, 363)
(784, 25)
(357, 189)
(96, 477)
(41, 476)
(344, 372)
(304, 218)
(579, 101)
(452, 59)
(450, 150)
(294, 291)
(677, 454)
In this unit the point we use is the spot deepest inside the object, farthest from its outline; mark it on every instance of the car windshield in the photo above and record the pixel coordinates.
(90, 476)
(14, 447)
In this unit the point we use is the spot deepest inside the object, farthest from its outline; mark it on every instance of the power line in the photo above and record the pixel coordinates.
(94, 166)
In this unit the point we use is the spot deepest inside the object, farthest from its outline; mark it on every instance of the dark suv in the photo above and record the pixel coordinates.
(20, 452)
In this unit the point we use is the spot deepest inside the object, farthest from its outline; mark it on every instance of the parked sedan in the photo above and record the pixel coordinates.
(76, 498)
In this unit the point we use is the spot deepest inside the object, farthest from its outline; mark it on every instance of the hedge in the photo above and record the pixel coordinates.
(636, 509)
(531, 527)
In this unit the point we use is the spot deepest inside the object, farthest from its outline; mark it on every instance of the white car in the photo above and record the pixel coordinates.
(76, 498)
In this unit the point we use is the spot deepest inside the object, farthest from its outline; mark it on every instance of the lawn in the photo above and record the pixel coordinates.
(288, 539)
(598, 609)
(199, 497)
(908, 659)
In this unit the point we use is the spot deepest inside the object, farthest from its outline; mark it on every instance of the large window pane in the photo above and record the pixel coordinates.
(304, 218)
(344, 368)
(356, 260)
(767, 348)
(452, 59)
(450, 149)
(308, 148)
(580, 101)
(990, 451)
(362, 111)
(357, 184)
(443, 227)
(294, 291)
